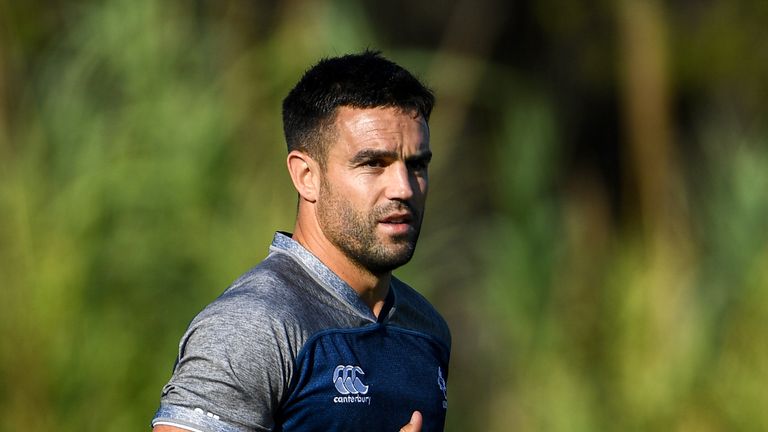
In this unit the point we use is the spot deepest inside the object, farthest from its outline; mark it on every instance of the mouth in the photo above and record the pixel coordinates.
(397, 224)
(397, 219)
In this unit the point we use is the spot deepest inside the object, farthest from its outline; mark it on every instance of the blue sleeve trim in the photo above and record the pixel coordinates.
(193, 420)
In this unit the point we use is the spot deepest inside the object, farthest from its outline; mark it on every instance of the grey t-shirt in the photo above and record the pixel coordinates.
(290, 346)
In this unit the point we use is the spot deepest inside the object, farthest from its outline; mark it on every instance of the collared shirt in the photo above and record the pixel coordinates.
(290, 346)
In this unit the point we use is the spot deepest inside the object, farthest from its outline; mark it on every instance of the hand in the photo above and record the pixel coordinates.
(414, 425)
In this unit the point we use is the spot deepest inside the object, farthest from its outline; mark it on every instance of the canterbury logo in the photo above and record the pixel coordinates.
(346, 380)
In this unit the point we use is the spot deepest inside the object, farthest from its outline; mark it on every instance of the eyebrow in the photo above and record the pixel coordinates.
(369, 154)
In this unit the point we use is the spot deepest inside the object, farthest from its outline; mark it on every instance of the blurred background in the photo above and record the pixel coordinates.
(596, 234)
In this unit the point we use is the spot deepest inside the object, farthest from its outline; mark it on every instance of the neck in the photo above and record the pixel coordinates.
(371, 287)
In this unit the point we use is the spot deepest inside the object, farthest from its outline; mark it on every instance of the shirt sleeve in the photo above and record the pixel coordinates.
(233, 369)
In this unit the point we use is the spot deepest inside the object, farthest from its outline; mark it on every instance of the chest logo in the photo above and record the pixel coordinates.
(347, 381)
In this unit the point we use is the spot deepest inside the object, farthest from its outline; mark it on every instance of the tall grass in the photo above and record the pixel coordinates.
(144, 170)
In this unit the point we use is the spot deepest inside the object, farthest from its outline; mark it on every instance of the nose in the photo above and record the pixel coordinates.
(400, 183)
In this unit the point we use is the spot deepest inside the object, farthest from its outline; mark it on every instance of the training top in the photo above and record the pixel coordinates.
(289, 346)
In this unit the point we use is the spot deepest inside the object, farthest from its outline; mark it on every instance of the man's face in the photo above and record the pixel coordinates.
(374, 186)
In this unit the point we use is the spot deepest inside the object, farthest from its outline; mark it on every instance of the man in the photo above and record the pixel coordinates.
(320, 335)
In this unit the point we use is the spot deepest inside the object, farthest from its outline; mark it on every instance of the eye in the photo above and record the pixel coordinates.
(374, 163)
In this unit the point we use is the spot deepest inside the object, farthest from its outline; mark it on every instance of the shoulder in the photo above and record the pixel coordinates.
(237, 357)
(275, 287)
(264, 309)
(415, 312)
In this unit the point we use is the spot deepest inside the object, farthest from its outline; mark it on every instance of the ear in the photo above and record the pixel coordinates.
(305, 174)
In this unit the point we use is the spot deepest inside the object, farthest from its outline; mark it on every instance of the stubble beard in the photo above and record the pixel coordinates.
(354, 233)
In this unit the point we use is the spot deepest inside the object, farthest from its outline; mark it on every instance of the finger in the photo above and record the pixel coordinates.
(414, 425)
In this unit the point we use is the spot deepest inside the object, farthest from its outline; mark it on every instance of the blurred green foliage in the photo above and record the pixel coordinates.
(142, 169)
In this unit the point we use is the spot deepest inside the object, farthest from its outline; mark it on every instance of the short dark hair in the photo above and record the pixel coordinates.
(364, 80)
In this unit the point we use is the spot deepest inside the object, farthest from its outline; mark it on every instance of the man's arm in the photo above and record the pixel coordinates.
(231, 369)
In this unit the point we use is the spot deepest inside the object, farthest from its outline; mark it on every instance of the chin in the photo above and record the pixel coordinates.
(394, 261)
